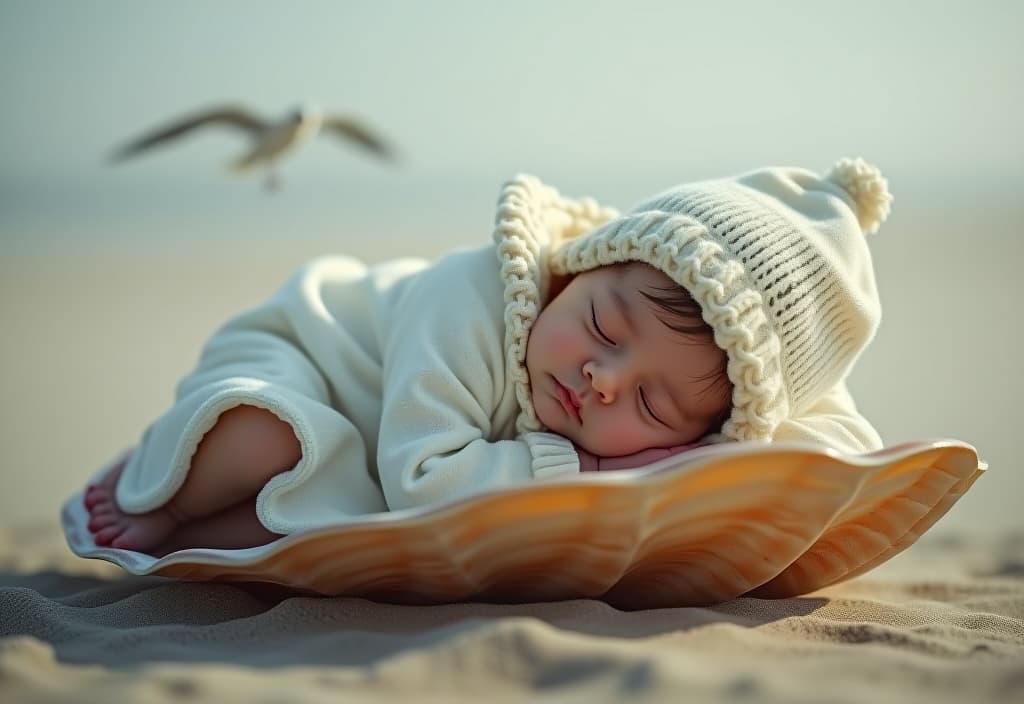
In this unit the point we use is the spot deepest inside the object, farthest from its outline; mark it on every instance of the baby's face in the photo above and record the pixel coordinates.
(608, 374)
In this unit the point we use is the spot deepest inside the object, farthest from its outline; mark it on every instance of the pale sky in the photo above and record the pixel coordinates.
(599, 98)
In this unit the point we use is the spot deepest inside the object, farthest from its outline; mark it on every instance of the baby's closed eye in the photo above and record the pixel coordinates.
(598, 330)
(650, 409)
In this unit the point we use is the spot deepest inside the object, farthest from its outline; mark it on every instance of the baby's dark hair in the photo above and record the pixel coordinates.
(684, 317)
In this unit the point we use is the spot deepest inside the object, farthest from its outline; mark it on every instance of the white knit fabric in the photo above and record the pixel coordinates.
(776, 258)
(531, 218)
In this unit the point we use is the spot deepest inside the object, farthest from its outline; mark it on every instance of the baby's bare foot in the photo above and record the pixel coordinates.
(112, 526)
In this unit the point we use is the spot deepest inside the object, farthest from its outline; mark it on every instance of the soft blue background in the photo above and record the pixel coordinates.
(588, 95)
(598, 98)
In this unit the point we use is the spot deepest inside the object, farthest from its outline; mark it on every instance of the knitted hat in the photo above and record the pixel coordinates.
(776, 258)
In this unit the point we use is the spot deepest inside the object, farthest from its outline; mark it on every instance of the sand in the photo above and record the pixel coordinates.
(943, 622)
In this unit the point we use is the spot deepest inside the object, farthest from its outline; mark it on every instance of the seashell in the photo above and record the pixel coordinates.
(712, 524)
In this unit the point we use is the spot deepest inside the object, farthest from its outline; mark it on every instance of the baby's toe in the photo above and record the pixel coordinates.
(104, 506)
(110, 478)
(97, 495)
(99, 521)
(92, 495)
(108, 535)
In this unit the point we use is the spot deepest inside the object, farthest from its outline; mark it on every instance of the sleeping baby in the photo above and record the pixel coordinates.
(579, 340)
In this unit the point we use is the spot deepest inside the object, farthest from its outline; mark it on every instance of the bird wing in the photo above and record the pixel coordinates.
(355, 131)
(232, 116)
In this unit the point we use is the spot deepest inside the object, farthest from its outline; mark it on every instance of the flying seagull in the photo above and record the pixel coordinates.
(270, 140)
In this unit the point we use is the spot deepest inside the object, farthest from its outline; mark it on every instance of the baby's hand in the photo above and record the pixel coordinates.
(592, 463)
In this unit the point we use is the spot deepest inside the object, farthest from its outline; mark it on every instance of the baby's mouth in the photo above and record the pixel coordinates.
(570, 403)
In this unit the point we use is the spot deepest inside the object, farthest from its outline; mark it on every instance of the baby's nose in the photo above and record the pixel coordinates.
(604, 380)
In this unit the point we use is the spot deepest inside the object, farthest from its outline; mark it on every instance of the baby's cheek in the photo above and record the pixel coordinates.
(561, 339)
(619, 438)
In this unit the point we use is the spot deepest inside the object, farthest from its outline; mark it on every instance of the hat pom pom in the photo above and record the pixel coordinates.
(868, 189)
